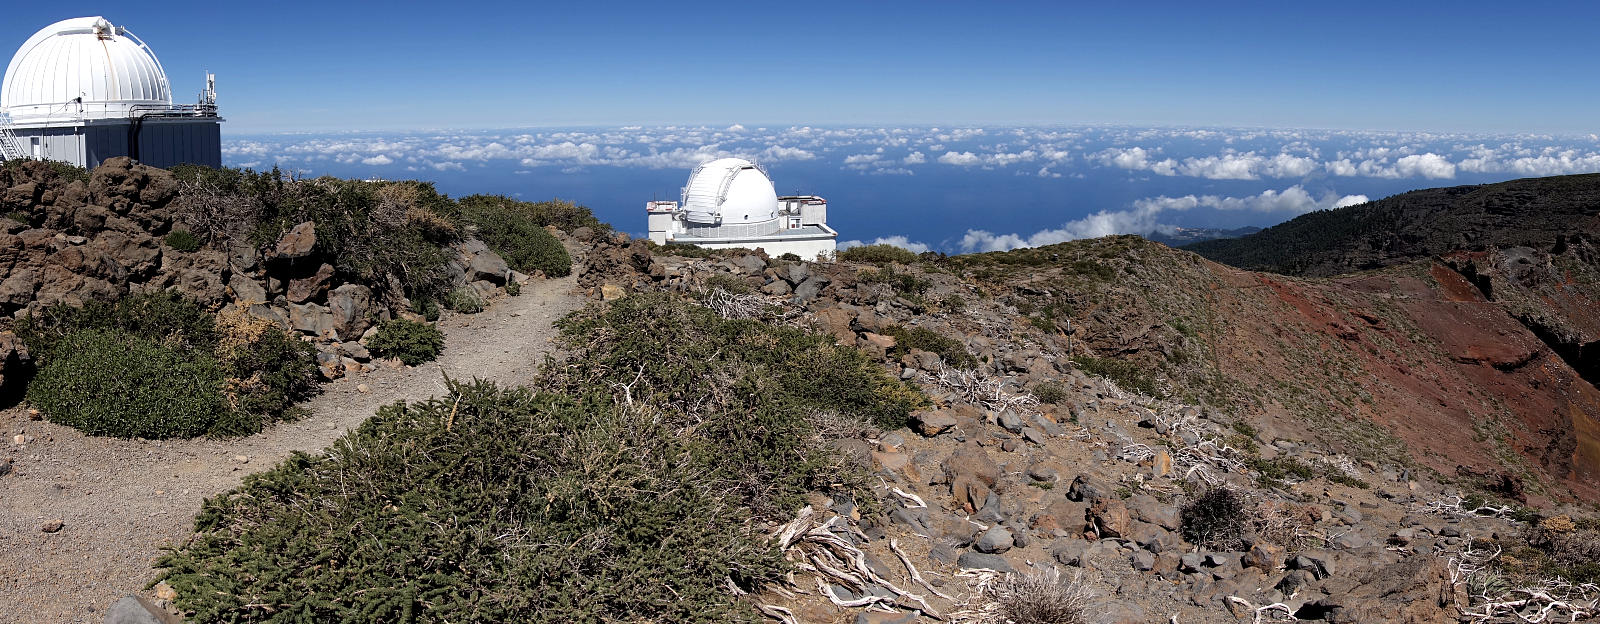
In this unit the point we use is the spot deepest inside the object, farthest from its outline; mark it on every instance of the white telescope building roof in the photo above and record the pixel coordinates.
(731, 191)
(83, 68)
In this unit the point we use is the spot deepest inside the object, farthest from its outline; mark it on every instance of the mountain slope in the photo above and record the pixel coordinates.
(1531, 212)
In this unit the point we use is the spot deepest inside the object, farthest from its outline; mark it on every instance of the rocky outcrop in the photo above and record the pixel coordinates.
(70, 242)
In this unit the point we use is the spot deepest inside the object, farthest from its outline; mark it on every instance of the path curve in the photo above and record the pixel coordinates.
(120, 501)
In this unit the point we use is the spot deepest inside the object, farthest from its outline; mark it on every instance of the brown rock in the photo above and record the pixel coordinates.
(611, 292)
(307, 288)
(297, 243)
(1265, 556)
(971, 459)
(932, 423)
(836, 322)
(1110, 517)
(52, 526)
(878, 341)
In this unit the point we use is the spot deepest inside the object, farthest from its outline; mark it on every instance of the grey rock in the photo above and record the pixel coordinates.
(1147, 508)
(807, 292)
(1045, 424)
(880, 617)
(797, 273)
(1041, 472)
(1142, 560)
(994, 541)
(349, 306)
(914, 519)
(1191, 562)
(1352, 540)
(1010, 421)
(247, 289)
(932, 423)
(982, 561)
(943, 554)
(1085, 488)
(1069, 550)
(135, 610)
(310, 318)
(1319, 563)
(751, 264)
(777, 287)
(1034, 435)
(488, 266)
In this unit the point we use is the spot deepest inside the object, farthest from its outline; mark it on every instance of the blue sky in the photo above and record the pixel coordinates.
(321, 66)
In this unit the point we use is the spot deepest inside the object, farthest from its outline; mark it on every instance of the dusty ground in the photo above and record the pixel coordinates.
(120, 501)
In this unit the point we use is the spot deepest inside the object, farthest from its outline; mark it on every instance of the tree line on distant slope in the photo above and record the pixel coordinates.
(1531, 212)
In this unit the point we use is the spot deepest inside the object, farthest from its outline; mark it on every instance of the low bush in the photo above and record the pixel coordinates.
(464, 300)
(1050, 392)
(952, 351)
(260, 370)
(410, 341)
(876, 254)
(514, 230)
(110, 382)
(1040, 598)
(513, 288)
(1127, 375)
(1215, 520)
(745, 388)
(485, 505)
(905, 284)
(182, 240)
(565, 215)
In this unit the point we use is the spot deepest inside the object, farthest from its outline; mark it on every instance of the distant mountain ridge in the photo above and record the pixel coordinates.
(1181, 236)
(1530, 212)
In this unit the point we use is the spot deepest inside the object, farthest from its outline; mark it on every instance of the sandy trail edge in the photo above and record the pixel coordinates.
(121, 500)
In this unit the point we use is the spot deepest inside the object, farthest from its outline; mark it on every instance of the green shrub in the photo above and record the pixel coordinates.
(485, 505)
(1126, 374)
(412, 342)
(182, 240)
(877, 254)
(906, 284)
(790, 257)
(428, 308)
(111, 382)
(464, 300)
(735, 285)
(565, 215)
(746, 388)
(1050, 392)
(953, 303)
(1215, 520)
(518, 237)
(513, 288)
(952, 351)
(264, 370)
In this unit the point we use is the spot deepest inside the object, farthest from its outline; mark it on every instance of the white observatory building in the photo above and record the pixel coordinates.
(83, 90)
(730, 202)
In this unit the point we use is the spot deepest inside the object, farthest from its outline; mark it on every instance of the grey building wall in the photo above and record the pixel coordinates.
(158, 142)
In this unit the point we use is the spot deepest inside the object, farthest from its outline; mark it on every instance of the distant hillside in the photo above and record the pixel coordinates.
(1532, 212)
(1179, 237)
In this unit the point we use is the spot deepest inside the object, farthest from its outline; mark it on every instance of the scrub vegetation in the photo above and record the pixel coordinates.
(161, 366)
(630, 484)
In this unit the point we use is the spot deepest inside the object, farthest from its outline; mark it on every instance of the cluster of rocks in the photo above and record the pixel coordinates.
(70, 241)
(1093, 483)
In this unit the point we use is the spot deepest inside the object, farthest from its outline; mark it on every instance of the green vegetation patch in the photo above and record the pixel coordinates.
(877, 254)
(951, 350)
(183, 240)
(160, 366)
(412, 342)
(485, 505)
(628, 487)
(1127, 375)
(515, 230)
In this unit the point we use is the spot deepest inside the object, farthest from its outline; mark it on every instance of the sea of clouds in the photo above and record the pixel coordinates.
(1063, 182)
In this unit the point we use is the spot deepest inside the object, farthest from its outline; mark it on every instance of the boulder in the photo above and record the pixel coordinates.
(932, 422)
(488, 266)
(297, 243)
(982, 561)
(349, 304)
(994, 541)
(247, 290)
(1264, 556)
(137, 610)
(307, 288)
(611, 292)
(1110, 518)
(310, 318)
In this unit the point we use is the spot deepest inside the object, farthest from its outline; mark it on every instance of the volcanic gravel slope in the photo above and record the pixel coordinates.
(120, 501)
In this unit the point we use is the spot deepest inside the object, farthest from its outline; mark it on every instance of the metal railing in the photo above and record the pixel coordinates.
(9, 147)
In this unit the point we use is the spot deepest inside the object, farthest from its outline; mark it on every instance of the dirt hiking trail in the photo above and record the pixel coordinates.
(119, 501)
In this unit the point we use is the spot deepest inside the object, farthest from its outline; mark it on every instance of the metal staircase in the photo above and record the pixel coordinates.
(10, 149)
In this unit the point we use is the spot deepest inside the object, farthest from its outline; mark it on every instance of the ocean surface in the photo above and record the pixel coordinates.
(948, 189)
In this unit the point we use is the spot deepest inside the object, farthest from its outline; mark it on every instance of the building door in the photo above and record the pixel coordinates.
(37, 147)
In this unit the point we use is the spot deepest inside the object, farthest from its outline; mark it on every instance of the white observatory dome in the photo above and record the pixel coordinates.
(84, 68)
(729, 191)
